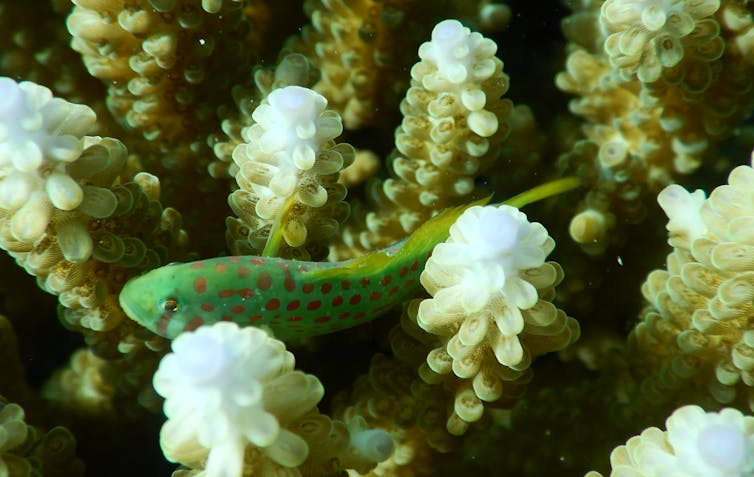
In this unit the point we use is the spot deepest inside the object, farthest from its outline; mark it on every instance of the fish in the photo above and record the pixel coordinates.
(291, 298)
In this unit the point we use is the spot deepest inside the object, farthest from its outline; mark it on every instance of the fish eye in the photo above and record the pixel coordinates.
(169, 305)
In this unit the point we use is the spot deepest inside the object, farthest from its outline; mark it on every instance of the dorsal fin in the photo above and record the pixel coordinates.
(436, 230)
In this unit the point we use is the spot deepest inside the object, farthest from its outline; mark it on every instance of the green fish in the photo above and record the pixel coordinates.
(295, 299)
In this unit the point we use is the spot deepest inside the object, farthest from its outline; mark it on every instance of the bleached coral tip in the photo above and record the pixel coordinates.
(447, 30)
(296, 98)
(683, 210)
(9, 92)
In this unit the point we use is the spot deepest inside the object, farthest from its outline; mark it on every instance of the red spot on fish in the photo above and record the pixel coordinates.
(207, 307)
(409, 282)
(375, 295)
(403, 272)
(355, 299)
(294, 318)
(386, 281)
(322, 319)
(245, 293)
(234, 259)
(200, 284)
(264, 282)
(221, 267)
(193, 324)
(337, 301)
(238, 309)
(257, 261)
(415, 265)
(307, 288)
(242, 271)
(359, 315)
(345, 284)
(288, 282)
(314, 305)
(197, 265)
(344, 315)
(326, 287)
(162, 325)
(293, 305)
(226, 293)
(226, 318)
(256, 317)
(272, 304)
(394, 290)
(364, 282)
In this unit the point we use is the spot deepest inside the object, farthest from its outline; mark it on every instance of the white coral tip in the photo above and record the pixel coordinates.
(712, 444)
(224, 385)
(683, 211)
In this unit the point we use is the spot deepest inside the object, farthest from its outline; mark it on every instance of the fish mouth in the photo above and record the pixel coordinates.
(126, 304)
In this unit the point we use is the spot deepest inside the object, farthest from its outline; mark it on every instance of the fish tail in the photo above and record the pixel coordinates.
(544, 191)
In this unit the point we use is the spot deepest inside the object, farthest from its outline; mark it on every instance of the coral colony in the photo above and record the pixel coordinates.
(238, 208)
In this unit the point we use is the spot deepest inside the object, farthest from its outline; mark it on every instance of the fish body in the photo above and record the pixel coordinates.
(293, 298)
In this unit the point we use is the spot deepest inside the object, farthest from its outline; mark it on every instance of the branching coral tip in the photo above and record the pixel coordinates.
(227, 388)
(295, 298)
(696, 444)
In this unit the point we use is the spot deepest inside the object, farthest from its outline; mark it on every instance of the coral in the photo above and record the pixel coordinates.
(648, 38)
(287, 175)
(392, 397)
(695, 444)
(64, 214)
(218, 400)
(41, 136)
(355, 45)
(25, 450)
(669, 84)
(229, 389)
(491, 307)
(695, 333)
(143, 55)
(129, 126)
(454, 122)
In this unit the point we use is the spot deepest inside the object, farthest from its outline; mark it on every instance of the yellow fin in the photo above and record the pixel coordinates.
(548, 189)
(436, 230)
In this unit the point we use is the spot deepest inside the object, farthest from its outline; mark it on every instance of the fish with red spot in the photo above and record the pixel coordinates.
(294, 298)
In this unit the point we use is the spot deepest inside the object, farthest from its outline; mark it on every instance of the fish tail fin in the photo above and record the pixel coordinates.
(436, 229)
(544, 191)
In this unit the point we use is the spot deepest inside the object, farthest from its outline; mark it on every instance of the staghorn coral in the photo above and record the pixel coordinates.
(454, 122)
(134, 47)
(695, 444)
(234, 402)
(490, 308)
(188, 75)
(695, 333)
(26, 451)
(659, 85)
(392, 397)
(288, 197)
(654, 39)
